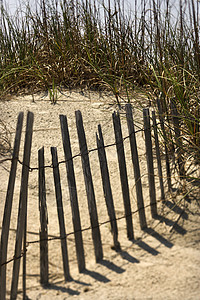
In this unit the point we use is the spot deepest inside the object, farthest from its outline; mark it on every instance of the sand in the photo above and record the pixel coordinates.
(160, 263)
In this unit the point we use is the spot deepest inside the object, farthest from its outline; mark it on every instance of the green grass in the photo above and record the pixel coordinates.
(93, 44)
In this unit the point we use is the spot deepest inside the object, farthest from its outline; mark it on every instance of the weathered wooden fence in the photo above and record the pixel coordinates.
(20, 243)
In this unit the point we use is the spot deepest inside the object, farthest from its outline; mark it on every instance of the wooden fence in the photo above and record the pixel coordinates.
(20, 243)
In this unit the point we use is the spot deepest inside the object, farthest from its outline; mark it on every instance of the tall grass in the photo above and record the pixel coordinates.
(101, 45)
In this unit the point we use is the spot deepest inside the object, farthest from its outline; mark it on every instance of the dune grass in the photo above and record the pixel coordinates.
(106, 45)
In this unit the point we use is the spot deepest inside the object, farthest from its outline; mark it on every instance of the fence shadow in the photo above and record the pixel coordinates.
(176, 209)
(125, 255)
(52, 286)
(158, 237)
(111, 266)
(179, 229)
(146, 247)
(21, 231)
(97, 276)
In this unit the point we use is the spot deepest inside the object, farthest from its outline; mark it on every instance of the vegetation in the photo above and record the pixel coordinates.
(104, 45)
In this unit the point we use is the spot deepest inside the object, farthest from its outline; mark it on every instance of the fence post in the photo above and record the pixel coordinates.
(22, 211)
(107, 187)
(149, 156)
(24, 260)
(8, 207)
(58, 192)
(44, 268)
(73, 193)
(158, 156)
(178, 139)
(136, 167)
(165, 144)
(89, 188)
(123, 174)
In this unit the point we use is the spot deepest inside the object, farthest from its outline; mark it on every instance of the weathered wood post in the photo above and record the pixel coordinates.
(178, 139)
(165, 144)
(73, 193)
(136, 167)
(89, 188)
(58, 191)
(22, 211)
(44, 262)
(123, 174)
(150, 167)
(8, 207)
(158, 156)
(107, 187)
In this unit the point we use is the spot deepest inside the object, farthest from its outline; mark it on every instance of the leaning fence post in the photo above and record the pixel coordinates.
(24, 260)
(8, 207)
(149, 156)
(136, 167)
(44, 267)
(178, 139)
(165, 144)
(58, 192)
(89, 188)
(158, 156)
(123, 174)
(107, 187)
(22, 211)
(73, 193)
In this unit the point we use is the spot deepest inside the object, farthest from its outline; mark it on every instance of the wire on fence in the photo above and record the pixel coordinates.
(90, 227)
(62, 162)
(73, 157)
(73, 232)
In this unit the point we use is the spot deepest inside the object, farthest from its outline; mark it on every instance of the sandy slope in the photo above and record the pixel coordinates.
(159, 264)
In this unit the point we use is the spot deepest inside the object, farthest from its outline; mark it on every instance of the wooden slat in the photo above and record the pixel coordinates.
(89, 188)
(165, 144)
(22, 211)
(136, 167)
(123, 174)
(73, 193)
(44, 262)
(8, 206)
(107, 187)
(178, 139)
(60, 211)
(158, 156)
(24, 261)
(150, 167)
